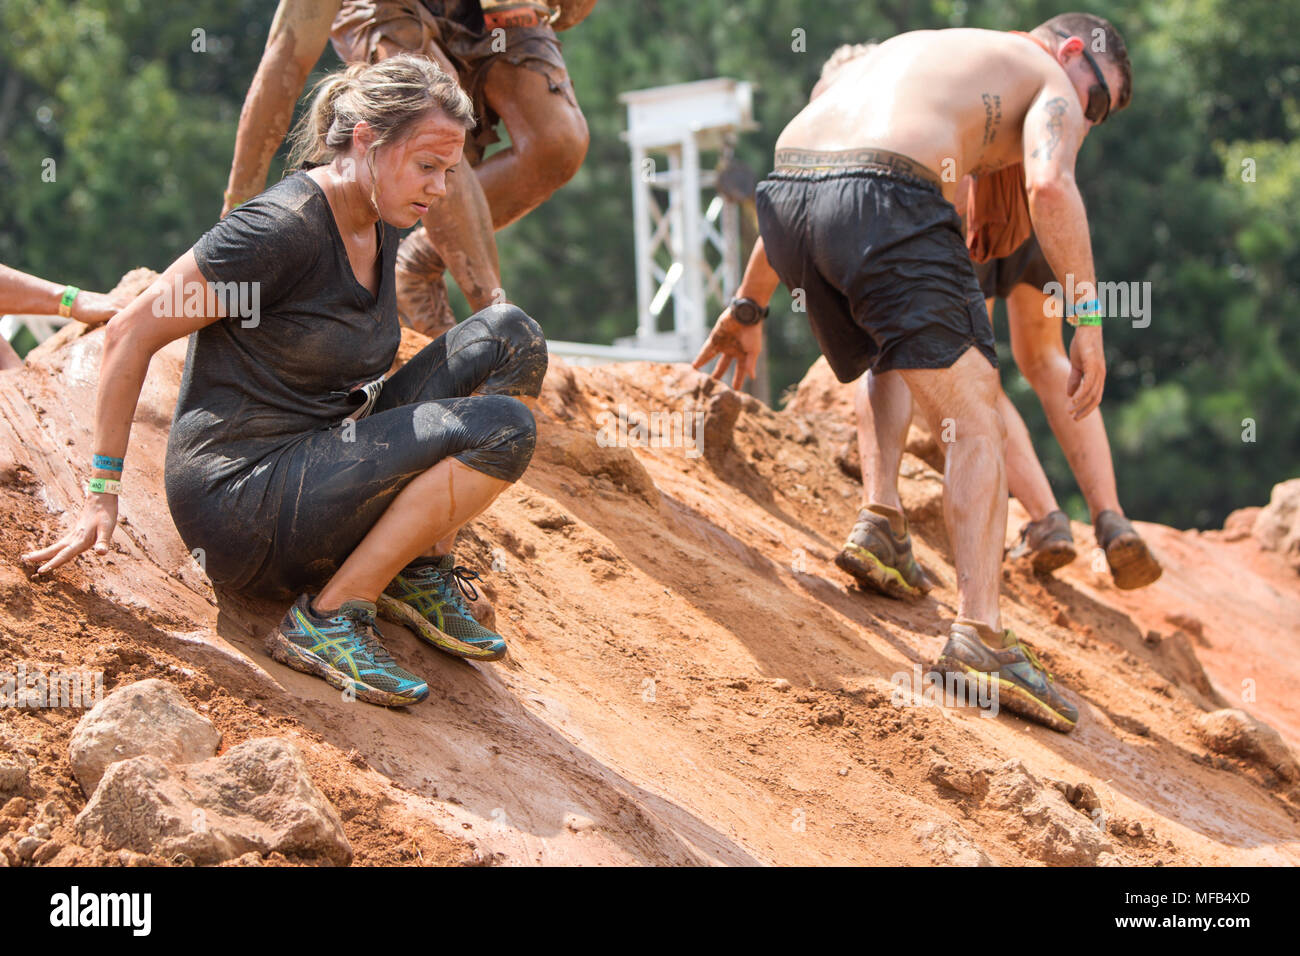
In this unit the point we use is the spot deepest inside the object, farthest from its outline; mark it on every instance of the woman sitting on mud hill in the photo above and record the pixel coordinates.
(291, 462)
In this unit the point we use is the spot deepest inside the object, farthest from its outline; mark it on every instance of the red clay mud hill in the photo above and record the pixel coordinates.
(691, 680)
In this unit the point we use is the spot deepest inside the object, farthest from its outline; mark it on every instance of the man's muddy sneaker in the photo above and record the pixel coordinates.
(1132, 565)
(426, 597)
(344, 649)
(1023, 685)
(881, 561)
(1047, 542)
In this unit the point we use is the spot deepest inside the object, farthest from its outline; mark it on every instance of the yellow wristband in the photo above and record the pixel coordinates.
(104, 486)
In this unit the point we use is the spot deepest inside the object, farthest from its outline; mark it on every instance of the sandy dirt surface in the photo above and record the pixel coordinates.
(690, 679)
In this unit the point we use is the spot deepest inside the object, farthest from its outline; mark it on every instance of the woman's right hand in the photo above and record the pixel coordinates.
(95, 527)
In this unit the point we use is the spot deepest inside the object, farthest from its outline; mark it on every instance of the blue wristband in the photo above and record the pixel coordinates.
(1091, 307)
(106, 463)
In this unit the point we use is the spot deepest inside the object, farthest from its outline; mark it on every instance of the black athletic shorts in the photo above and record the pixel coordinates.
(1026, 265)
(882, 265)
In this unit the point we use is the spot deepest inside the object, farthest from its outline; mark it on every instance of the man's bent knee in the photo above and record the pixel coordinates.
(561, 153)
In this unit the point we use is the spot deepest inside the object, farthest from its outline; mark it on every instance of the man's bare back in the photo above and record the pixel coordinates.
(954, 101)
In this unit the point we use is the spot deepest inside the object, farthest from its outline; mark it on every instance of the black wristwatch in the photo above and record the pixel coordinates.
(747, 311)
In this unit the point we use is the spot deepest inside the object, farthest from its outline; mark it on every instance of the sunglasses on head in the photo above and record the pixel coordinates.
(1098, 96)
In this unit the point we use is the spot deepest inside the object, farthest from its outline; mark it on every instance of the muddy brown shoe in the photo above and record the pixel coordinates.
(880, 561)
(1132, 565)
(1047, 542)
(1018, 681)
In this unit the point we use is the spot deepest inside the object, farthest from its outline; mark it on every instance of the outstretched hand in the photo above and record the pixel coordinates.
(1087, 371)
(732, 341)
(95, 527)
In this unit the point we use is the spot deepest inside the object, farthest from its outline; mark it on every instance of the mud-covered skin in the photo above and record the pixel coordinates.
(456, 29)
(458, 234)
(422, 301)
(299, 33)
(457, 397)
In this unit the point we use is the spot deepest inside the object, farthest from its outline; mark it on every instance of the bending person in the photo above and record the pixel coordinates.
(855, 216)
(292, 463)
(1047, 540)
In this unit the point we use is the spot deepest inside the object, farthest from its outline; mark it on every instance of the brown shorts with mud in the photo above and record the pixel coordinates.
(456, 30)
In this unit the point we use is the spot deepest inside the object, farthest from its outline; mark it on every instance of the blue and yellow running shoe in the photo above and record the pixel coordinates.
(426, 597)
(344, 649)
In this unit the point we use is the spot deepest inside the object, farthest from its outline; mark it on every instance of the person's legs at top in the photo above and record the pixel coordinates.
(548, 136)
(548, 142)
(1039, 351)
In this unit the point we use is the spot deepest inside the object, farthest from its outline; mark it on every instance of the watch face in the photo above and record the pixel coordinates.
(746, 312)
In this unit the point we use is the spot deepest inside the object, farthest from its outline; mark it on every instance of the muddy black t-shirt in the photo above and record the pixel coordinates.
(254, 385)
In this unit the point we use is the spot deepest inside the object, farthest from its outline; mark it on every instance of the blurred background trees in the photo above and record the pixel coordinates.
(117, 124)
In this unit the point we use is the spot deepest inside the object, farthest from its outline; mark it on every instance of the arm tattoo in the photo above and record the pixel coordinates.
(992, 115)
(1055, 109)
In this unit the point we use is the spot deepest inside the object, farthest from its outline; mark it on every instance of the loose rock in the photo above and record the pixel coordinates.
(1235, 733)
(147, 717)
(1049, 829)
(256, 797)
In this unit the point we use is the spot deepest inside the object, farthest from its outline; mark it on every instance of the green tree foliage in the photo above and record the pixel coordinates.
(1195, 189)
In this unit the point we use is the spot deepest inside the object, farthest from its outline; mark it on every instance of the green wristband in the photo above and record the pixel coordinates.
(1087, 320)
(69, 296)
(104, 486)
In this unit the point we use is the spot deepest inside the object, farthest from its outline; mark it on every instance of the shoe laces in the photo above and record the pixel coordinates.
(1032, 657)
(368, 636)
(462, 577)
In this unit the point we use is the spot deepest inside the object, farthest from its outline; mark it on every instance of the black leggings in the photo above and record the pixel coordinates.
(455, 398)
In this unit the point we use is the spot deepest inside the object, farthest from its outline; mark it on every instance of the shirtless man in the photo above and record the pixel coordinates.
(856, 217)
(516, 75)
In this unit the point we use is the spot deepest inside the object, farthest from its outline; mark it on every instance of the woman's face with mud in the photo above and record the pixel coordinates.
(411, 172)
